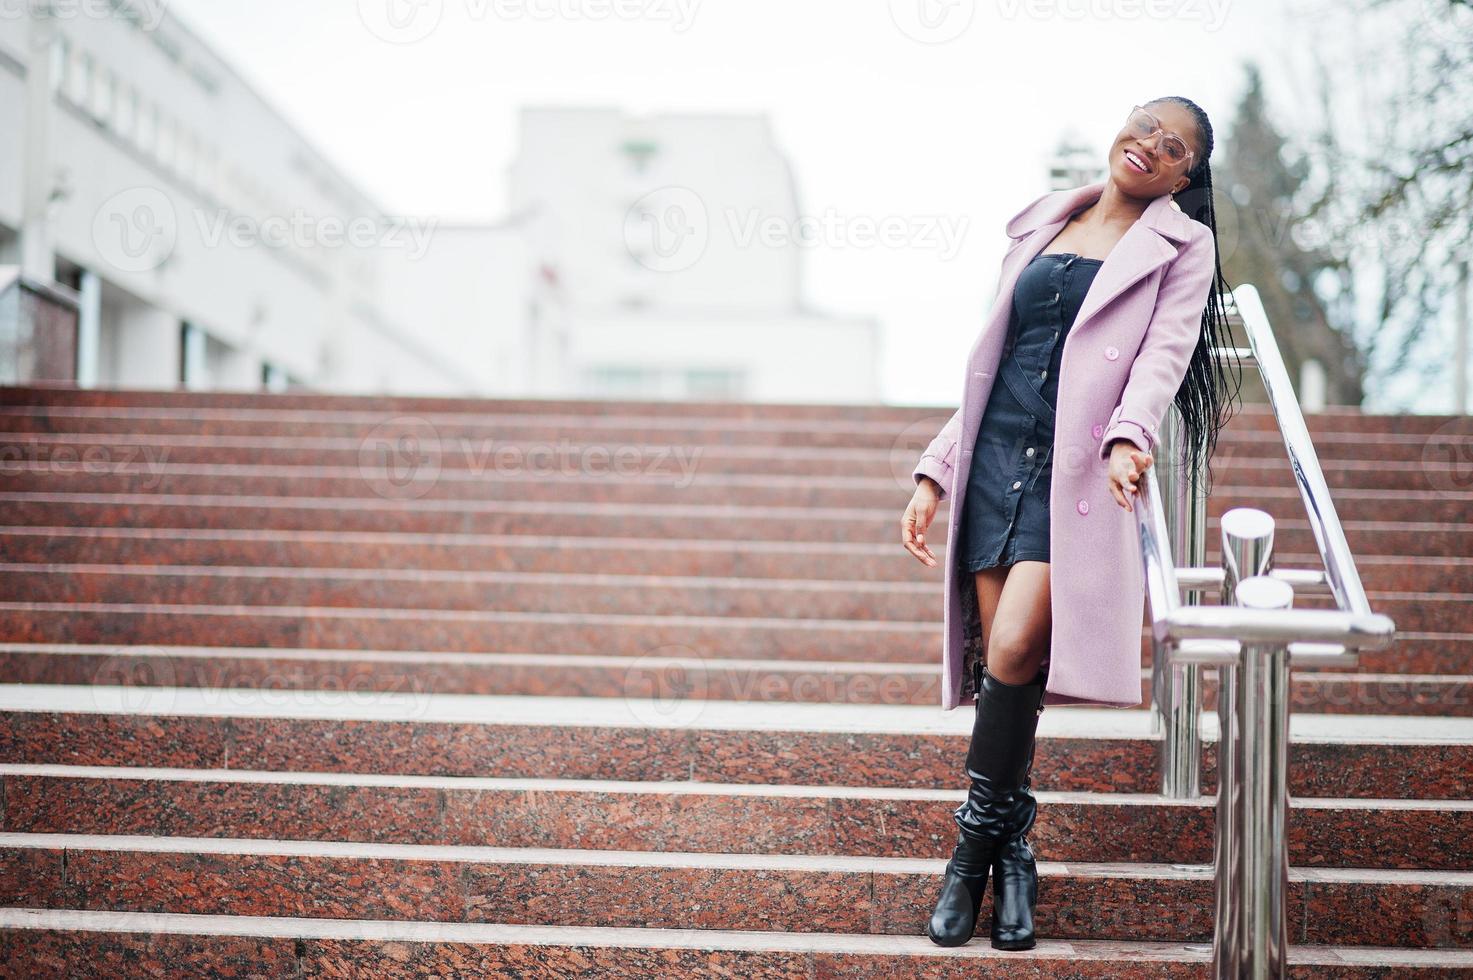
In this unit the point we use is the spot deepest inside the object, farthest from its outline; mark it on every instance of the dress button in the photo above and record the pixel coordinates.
(1097, 431)
(1043, 374)
(1111, 353)
(1028, 451)
(1082, 506)
(1017, 484)
(1056, 297)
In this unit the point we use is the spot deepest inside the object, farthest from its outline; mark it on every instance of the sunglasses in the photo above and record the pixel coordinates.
(1142, 125)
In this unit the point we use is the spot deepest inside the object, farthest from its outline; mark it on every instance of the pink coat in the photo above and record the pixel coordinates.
(1123, 361)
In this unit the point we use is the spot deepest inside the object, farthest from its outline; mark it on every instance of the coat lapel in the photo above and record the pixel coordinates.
(1144, 248)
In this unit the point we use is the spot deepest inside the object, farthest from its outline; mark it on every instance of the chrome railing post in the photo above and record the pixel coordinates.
(1247, 550)
(1176, 687)
(1251, 929)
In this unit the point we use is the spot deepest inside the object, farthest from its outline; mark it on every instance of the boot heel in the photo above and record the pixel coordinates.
(1014, 896)
(953, 922)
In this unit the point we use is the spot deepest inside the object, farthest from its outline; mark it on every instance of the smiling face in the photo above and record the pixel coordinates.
(1161, 175)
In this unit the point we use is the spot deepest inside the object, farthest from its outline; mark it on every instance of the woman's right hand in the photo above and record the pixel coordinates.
(918, 516)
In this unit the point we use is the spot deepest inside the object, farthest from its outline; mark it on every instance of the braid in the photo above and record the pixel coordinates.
(1204, 401)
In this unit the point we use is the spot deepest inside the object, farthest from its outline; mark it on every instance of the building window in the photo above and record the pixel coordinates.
(274, 379)
(165, 142)
(714, 383)
(146, 133)
(193, 363)
(125, 111)
(61, 59)
(184, 158)
(100, 100)
(208, 172)
(639, 153)
(621, 381)
(79, 78)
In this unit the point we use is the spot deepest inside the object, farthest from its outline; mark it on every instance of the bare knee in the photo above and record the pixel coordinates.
(1014, 655)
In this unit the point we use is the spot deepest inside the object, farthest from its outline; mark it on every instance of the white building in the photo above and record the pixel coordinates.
(211, 244)
(678, 243)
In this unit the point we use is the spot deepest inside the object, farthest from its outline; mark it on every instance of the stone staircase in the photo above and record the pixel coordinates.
(299, 685)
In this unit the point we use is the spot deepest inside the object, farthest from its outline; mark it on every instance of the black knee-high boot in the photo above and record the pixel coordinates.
(997, 765)
(1014, 868)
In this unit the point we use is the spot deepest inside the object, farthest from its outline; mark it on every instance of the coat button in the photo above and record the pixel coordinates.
(1082, 506)
(1111, 353)
(1097, 431)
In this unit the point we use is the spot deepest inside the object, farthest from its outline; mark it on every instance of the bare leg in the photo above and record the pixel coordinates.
(1013, 602)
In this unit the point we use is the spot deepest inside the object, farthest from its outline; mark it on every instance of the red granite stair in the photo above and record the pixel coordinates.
(271, 697)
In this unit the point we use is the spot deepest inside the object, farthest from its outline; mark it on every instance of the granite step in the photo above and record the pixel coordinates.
(64, 447)
(212, 407)
(820, 561)
(565, 592)
(698, 637)
(347, 715)
(656, 475)
(814, 561)
(1344, 691)
(655, 522)
(830, 893)
(654, 739)
(74, 940)
(611, 555)
(692, 817)
(1383, 494)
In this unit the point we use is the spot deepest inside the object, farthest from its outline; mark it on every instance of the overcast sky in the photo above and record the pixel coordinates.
(909, 109)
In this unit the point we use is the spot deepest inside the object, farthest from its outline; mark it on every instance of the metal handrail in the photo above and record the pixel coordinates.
(1191, 635)
(1329, 536)
(1252, 638)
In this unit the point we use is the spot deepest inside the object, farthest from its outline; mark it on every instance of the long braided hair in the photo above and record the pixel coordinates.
(1204, 400)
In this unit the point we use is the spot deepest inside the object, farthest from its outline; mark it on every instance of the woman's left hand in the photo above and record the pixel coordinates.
(1127, 465)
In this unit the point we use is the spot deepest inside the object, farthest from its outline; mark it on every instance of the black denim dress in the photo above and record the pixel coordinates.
(1005, 516)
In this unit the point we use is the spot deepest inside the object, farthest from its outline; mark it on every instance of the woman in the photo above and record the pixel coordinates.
(1113, 300)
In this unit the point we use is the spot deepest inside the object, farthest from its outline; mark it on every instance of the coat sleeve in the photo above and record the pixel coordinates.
(1171, 337)
(940, 456)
